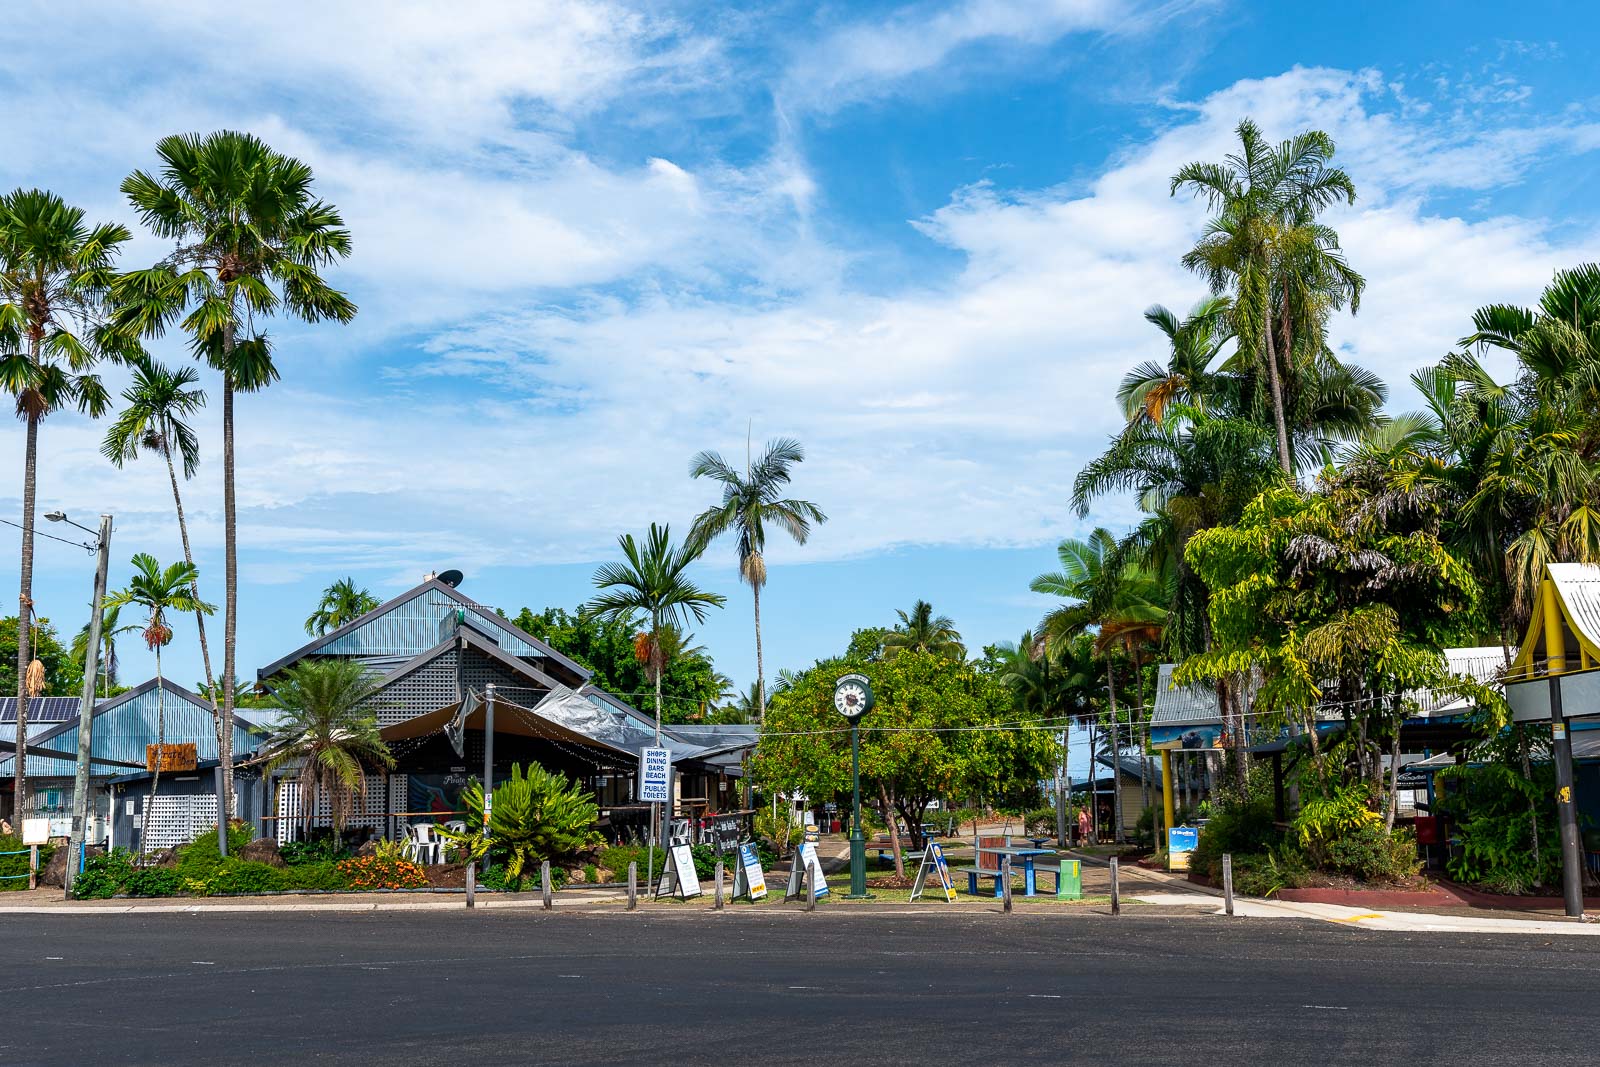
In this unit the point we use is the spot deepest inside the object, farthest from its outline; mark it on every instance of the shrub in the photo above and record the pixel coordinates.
(104, 876)
(782, 830)
(201, 853)
(537, 816)
(1041, 822)
(1240, 829)
(1500, 817)
(18, 864)
(617, 858)
(324, 875)
(498, 877)
(1373, 854)
(320, 847)
(374, 872)
(153, 882)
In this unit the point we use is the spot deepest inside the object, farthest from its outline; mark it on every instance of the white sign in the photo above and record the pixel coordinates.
(679, 878)
(806, 859)
(655, 775)
(35, 831)
(933, 859)
(748, 880)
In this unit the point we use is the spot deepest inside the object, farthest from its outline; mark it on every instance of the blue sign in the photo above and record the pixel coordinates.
(1181, 840)
(655, 775)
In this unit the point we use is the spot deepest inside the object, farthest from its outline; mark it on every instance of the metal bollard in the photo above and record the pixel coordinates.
(544, 884)
(718, 902)
(472, 883)
(1116, 896)
(811, 889)
(633, 887)
(1005, 883)
(1227, 882)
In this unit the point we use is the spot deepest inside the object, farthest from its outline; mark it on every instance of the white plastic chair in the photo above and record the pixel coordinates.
(422, 844)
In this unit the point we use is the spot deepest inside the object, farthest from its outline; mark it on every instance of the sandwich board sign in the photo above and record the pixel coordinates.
(933, 858)
(655, 775)
(1181, 840)
(748, 881)
(806, 859)
(678, 878)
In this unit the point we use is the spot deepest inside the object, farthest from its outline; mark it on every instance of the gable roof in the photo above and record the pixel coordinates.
(481, 618)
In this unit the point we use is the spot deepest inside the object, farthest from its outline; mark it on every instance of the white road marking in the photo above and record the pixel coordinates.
(1324, 1007)
(1044, 996)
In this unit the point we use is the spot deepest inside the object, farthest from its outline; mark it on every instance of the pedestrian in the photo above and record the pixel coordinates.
(1083, 826)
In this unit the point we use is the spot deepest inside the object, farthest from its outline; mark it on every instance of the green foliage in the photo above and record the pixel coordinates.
(537, 816)
(18, 865)
(202, 853)
(382, 872)
(1372, 853)
(1506, 824)
(1326, 816)
(62, 677)
(321, 847)
(617, 857)
(154, 882)
(328, 728)
(1236, 828)
(1042, 821)
(103, 876)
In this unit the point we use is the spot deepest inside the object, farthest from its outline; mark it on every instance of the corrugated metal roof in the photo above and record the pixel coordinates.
(1182, 705)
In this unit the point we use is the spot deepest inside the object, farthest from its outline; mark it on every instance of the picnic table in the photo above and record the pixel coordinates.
(1028, 856)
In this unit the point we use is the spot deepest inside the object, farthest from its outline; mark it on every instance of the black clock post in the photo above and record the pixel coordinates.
(852, 697)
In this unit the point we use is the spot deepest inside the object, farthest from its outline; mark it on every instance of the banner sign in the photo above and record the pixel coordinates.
(805, 859)
(748, 881)
(933, 858)
(678, 878)
(655, 775)
(1181, 840)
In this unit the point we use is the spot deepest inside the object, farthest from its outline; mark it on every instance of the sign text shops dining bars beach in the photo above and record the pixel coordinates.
(655, 775)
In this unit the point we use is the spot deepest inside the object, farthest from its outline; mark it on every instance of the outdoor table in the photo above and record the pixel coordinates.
(1026, 855)
(1038, 842)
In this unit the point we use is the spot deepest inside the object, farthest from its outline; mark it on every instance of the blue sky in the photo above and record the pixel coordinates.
(593, 238)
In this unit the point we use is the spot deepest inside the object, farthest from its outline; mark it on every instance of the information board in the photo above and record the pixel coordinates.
(678, 878)
(1181, 840)
(805, 858)
(748, 881)
(933, 859)
(655, 775)
(726, 830)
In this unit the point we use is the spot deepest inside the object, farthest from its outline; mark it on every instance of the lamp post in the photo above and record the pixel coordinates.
(91, 662)
(852, 698)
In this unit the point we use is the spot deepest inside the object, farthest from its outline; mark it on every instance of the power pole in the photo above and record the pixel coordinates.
(81, 806)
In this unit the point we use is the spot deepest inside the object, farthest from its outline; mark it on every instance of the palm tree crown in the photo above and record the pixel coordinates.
(328, 727)
(921, 630)
(159, 400)
(341, 602)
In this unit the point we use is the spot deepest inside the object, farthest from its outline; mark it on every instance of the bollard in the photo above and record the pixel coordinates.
(1227, 882)
(1005, 884)
(1116, 897)
(811, 890)
(718, 903)
(472, 883)
(544, 885)
(633, 887)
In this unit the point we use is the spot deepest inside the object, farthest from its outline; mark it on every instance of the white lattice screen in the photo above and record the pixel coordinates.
(386, 794)
(176, 820)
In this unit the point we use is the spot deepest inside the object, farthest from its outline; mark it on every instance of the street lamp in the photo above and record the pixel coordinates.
(852, 698)
(91, 664)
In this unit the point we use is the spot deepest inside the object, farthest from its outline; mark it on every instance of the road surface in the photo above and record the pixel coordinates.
(780, 988)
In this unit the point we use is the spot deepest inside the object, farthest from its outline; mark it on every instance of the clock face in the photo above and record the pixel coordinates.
(851, 698)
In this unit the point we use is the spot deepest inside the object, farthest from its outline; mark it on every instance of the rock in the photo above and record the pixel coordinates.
(262, 850)
(368, 848)
(575, 876)
(54, 873)
(604, 874)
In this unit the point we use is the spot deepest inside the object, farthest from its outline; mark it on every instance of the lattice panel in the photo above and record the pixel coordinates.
(370, 812)
(177, 820)
(479, 670)
(428, 688)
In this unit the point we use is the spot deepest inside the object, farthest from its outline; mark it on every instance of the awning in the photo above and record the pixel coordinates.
(510, 718)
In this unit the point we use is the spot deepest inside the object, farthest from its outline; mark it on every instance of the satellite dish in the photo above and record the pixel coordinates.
(451, 578)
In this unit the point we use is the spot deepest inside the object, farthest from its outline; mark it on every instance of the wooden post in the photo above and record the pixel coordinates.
(633, 886)
(33, 866)
(472, 883)
(811, 888)
(544, 884)
(1227, 882)
(1005, 883)
(1116, 898)
(718, 904)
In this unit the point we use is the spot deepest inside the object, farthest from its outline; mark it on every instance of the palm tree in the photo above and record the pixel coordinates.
(158, 592)
(54, 273)
(1196, 342)
(1265, 245)
(341, 602)
(251, 238)
(329, 729)
(653, 579)
(159, 401)
(922, 631)
(110, 630)
(749, 502)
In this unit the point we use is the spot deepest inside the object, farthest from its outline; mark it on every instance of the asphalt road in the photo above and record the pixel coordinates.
(763, 989)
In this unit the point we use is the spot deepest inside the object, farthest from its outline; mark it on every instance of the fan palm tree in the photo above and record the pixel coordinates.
(54, 274)
(251, 238)
(750, 501)
(341, 602)
(160, 400)
(1284, 269)
(1195, 343)
(111, 628)
(158, 591)
(921, 630)
(653, 579)
(328, 727)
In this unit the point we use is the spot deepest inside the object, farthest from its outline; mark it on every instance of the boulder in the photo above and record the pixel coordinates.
(262, 850)
(54, 873)
(575, 876)
(368, 848)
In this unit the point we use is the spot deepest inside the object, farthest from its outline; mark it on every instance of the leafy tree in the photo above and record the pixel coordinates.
(921, 630)
(250, 240)
(62, 675)
(111, 628)
(54, 273)
(653, 580)
(538, 816)
(158, 403)
(158, 591)
(341, 603)
(750, 501)
(329, 729)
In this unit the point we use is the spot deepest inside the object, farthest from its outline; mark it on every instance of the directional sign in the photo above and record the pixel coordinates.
(655, 775)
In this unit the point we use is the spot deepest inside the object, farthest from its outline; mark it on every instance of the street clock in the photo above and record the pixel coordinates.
(852, 696)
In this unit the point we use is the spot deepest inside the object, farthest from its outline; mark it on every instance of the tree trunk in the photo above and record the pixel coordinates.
(1394, 779)
(1115, 750)
(894, 831)
(761, 678)
(1139, 729)
(1284, 457)
(194, 591)
(155, 777)
(230, 611)
(30, 468)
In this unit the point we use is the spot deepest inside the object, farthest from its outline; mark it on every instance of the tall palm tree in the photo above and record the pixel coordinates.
(160, 400)
(1265, 245)
(54, 273)
(749, 502)
(328, 727)
(653, 578)
(111, 628)
(341, 602)
(921, 630)
(1195, 343)
(158, 591)
(251, 238)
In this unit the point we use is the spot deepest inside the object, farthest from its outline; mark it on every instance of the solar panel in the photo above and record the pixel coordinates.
(41, 709)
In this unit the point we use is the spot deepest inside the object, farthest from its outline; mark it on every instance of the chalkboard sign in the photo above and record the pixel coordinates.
(726, 832)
